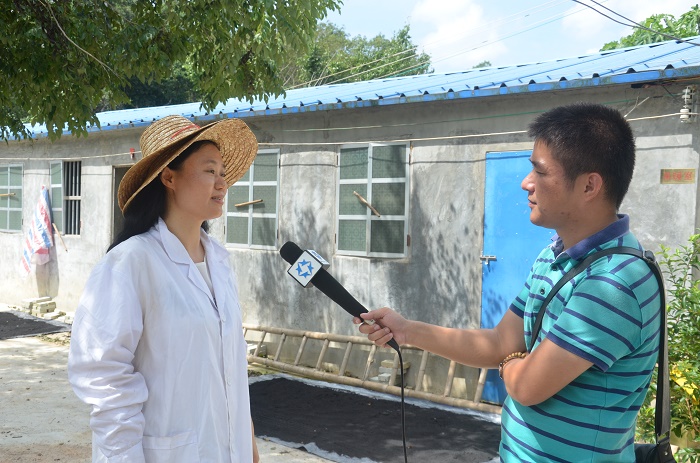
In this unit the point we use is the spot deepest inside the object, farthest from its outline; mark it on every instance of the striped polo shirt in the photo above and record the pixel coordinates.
(609, 315)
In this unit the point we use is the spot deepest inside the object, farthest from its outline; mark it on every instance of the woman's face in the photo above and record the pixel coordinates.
(197, 189)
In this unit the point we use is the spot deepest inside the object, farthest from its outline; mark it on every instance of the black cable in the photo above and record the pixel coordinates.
(634, 25)
(403, 412)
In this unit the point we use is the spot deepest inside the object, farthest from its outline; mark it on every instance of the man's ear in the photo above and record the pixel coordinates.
(594, 185)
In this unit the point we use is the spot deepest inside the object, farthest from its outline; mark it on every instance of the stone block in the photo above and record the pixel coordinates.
(330, 367)
(27, 303)
(262, 352)
(390, 364)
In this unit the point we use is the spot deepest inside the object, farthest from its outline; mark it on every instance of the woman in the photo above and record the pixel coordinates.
(157, 345)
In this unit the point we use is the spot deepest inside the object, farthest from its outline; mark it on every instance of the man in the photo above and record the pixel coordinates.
(575, 397)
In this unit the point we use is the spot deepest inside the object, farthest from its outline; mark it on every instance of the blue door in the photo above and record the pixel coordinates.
(511, 245)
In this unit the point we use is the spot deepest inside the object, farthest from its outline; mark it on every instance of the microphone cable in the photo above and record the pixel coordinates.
(403, 409)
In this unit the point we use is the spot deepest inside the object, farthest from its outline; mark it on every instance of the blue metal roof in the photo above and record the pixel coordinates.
(661, 61)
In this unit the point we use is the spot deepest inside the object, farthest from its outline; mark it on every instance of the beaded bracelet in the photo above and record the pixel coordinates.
(514, 355)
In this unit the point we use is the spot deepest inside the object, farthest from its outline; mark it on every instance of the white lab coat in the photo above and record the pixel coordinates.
(162, 363)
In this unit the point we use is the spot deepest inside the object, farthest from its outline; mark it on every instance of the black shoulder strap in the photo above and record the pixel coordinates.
(662, 425)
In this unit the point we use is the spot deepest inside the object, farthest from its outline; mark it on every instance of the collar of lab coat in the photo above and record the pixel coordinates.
(217, 261)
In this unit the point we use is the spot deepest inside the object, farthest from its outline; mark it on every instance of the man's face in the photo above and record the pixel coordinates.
(551, 197)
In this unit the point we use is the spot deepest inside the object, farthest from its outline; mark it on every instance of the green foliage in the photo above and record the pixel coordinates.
(335, 57)
(683, 307)
(63, 59)
(686, 26)
(178, 88)
(483, 64)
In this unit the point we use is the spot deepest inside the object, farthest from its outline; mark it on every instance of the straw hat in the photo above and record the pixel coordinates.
(167, 138)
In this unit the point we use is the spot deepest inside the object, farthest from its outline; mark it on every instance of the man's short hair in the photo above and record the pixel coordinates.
(587, 137)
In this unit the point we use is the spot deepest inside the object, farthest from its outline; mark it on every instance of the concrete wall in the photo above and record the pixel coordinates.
(440, 279)
(63, 277)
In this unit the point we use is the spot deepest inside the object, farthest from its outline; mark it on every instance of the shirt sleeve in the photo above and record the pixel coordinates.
(106, 330)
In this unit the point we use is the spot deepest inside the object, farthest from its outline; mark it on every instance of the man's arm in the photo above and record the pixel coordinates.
(482, 348)
(529, 381)
(542, 373)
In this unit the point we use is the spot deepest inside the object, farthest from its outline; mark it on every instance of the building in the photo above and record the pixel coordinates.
(439, 157)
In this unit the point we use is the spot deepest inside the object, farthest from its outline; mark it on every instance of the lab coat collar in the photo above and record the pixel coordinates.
(216, 255)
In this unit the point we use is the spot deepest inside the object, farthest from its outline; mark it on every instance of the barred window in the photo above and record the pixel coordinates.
(251, 211)
(65, 196)
(372, 206)
(11, 198)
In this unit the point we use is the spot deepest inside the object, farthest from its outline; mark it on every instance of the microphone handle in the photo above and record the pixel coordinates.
(338, 294)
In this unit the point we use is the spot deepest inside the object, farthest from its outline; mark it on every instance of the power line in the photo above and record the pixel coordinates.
(634, 25)
(502, 38)
(499, 39)
(507, 19)
(489, 25)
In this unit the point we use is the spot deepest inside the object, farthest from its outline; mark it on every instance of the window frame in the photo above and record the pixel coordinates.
(9, 189)
(369, 217)
(250, 213)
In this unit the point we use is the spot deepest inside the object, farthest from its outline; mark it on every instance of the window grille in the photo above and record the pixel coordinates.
(66, 196)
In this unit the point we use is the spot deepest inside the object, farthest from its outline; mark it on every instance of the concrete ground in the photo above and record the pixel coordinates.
(42, 420)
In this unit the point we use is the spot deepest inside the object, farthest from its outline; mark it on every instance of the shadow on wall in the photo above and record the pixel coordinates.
(274, 297)
(441, 281)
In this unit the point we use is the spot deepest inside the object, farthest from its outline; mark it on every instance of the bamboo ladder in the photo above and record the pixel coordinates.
(363, 381)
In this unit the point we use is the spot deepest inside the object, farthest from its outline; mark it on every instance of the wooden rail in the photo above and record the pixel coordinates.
(370, 350)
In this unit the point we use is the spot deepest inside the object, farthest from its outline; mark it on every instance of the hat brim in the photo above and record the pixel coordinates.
(236, 142)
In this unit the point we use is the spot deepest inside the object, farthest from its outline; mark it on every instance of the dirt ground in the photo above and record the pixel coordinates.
(42, 421)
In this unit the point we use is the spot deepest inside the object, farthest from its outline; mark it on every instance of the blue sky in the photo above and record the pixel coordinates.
(459, 34)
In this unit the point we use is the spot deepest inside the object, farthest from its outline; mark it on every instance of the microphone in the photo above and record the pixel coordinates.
(307, 267)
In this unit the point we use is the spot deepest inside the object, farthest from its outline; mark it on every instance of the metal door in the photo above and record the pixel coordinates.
(511, 244)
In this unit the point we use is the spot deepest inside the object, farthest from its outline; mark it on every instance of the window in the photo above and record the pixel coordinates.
(11, 198)
(377, 174)
(251, 217)
(65, 196)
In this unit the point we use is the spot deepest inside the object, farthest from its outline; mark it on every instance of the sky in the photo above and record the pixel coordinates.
(459, 34)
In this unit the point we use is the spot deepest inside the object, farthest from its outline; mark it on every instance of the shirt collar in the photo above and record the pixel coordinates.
(176, 250)
(615, 230)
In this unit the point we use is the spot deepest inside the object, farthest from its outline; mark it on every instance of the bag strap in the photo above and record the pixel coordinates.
(662, 423)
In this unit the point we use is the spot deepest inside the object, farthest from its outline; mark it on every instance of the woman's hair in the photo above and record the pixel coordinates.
(149, 203)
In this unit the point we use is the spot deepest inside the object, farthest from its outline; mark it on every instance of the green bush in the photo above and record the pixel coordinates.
(683, 306)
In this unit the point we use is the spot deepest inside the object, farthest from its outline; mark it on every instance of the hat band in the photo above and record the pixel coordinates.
(184, 129)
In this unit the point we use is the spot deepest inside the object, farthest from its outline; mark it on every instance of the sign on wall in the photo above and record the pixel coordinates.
(676, 176)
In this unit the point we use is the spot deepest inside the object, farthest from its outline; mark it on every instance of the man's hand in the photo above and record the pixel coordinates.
(383, 325)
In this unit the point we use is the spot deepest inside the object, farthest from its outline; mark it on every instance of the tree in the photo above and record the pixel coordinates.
(335, 57)
(663, 27)
(180, 87)
(483, 64)
(63, 58)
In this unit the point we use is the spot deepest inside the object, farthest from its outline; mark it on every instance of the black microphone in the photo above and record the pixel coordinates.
(328, 285)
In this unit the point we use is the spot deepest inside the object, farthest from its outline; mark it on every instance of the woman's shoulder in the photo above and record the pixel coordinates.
(131, 251)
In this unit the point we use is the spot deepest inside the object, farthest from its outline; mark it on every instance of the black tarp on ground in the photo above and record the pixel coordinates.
(366, 428)
(18, 324)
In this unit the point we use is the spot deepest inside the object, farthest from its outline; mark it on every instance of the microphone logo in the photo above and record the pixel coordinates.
(306, 267)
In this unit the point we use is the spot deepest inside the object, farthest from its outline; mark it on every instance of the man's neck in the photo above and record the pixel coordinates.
(585, 226)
